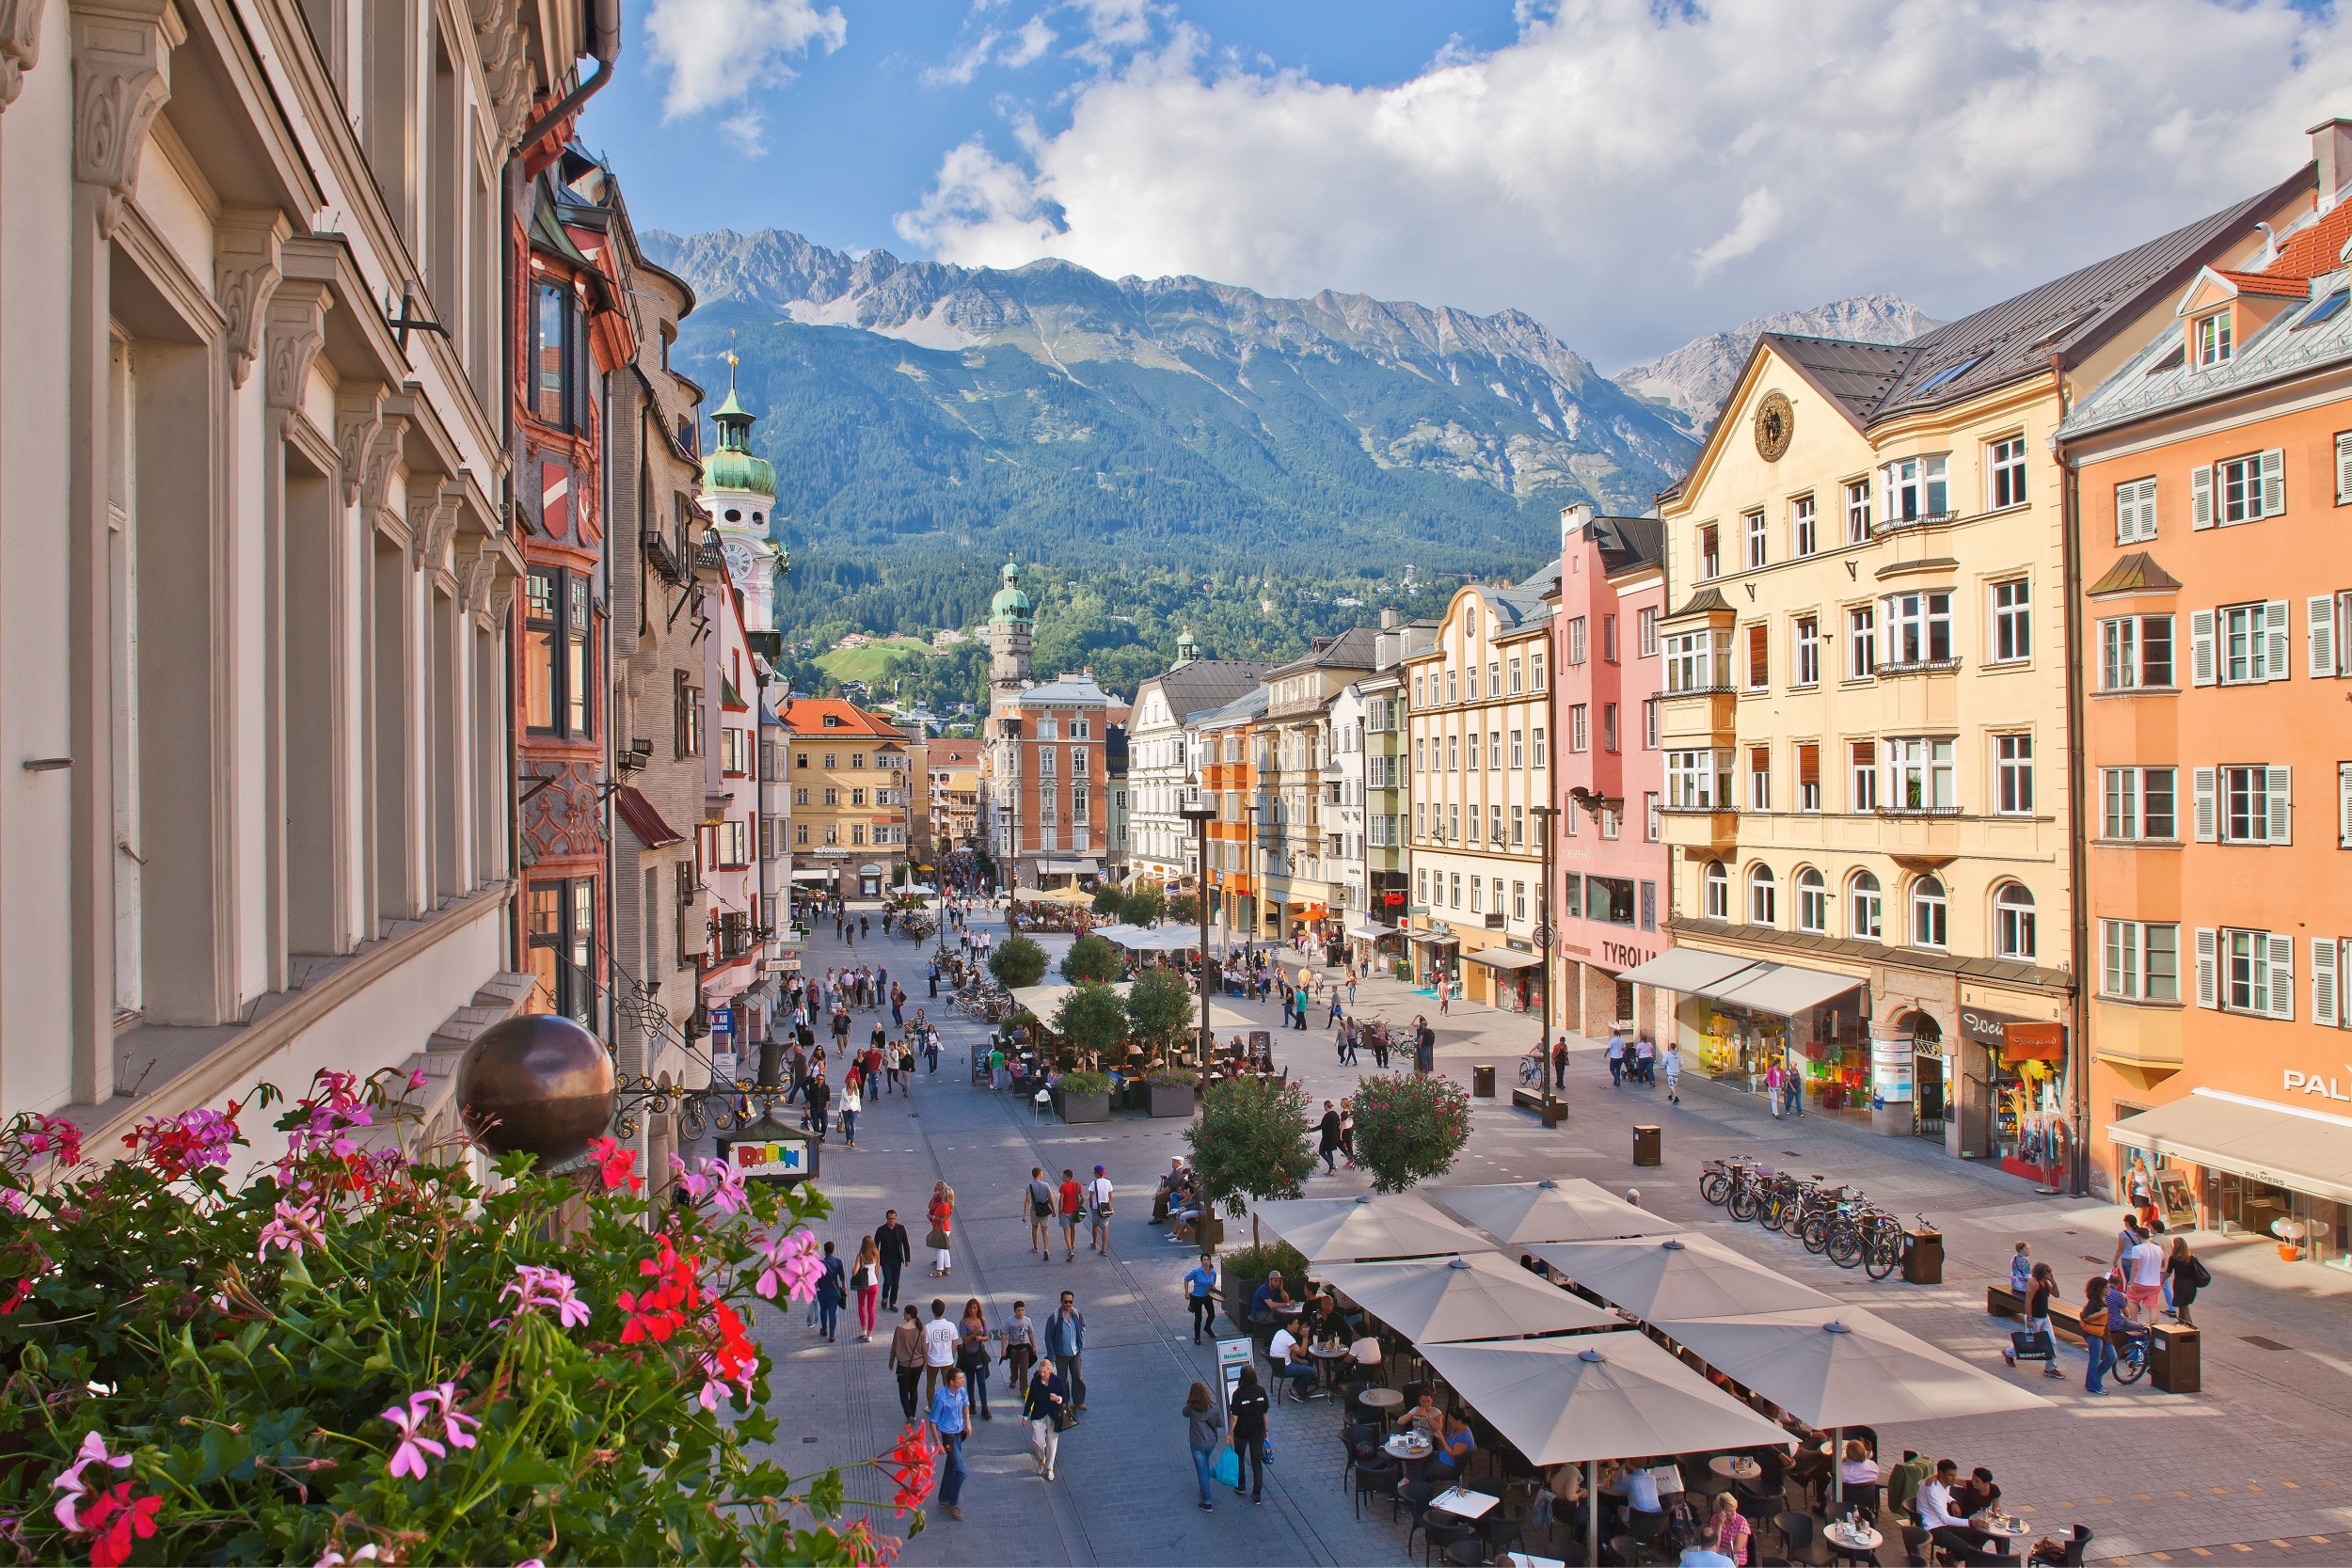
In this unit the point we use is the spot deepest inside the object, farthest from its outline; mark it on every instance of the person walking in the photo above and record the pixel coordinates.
(1772, 1085)
(1066, 1344)
(820, 1097)
(1616, 1059)
(1203, 1435)
(1099, 1206)
(898, 1251)
(2096, 1331)
(852, 1102)
(930, 1050)
(832, 1290)
(939, 1349)
(1560, 1064)
(1068, 1197)
(906, 1361)
(1020, 1338)
(934, 977)
(951, 1423)
(1201, 1295)
(2144, 1277)
(972, 1356)
(1245, 1427)
(1645, 1060)
(1327, 1147)
(2035, 1343)
(1348, 1133)
(1046, 1406)
(2188, 1274)
(942, 1212)
(1445, 995)
(866, 1287)
(1036, 1202)
(1674, 1073)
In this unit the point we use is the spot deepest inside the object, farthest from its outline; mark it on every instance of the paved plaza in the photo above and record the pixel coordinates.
(2255, 1467)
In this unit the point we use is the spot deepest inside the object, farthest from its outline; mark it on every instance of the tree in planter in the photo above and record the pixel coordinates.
(1145, 904)
(1017, 962)
(1185, 908)
(1090, 1021)
(1159, 1009)
(1107, 901)
(1409, 1128)
(1251, 1142)
(1092, 960)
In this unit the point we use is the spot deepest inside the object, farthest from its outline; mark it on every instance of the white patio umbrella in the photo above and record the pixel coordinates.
(1570, 1209)
(1589, 1397)
(1842, 1366)
(1346, 1229)
(1121, 935)
(1045, 1001)
(1679, 1276)
(1481, 1296)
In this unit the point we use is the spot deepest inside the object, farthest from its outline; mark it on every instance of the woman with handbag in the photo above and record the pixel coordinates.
(972, 1355)
(2187, 1274)
(866, 1287)
(1046, 1406)
(1019, 1336)
(943, 1215)
(906, 1361)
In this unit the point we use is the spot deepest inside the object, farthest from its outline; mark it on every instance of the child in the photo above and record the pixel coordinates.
(2021, 1270)
(1674, 1073)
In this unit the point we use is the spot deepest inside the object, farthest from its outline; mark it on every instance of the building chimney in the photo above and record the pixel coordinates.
(1572, 520)
(2331, 149)
(1390, 618)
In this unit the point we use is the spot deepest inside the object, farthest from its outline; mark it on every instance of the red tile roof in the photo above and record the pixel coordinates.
(2285, 285)
(2317, 248)
(807, 716)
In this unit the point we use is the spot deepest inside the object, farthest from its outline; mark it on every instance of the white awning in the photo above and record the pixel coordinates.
(2286, 1146)
(1372, 933)
(1782, 988)
(814, 874)
(1431, 936)
(1502, 958)
(1070, 869)
(1690, 970)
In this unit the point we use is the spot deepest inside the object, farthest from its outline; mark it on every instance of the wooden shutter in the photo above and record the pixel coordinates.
(1759, 656)
(2274, 491)
(2319, 632)
(2203, 782)
(2343, 469)
(2343, 804)
(2201, 648)
(2282, 975)
(2279, 791)
(2208, 986)
(2200, 497)
(2147, 510)
(2324, 981)
(2279, 647)
(1809, 764)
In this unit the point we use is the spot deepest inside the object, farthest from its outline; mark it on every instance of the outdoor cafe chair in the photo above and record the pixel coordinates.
(1412, 1496)
(1466, 1553)
(2072, 1556)
(1438, 1534)
(1377, 1480)
(1624, 1549)
(1797, 1530)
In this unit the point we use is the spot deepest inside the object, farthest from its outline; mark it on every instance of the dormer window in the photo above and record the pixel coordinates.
(2209, 338)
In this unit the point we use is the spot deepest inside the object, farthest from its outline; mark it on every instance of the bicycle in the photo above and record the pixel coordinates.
(1746, 1199)
(1531, 1071)
(2131, 1351)
(1849, 1229)
(1715, 1180)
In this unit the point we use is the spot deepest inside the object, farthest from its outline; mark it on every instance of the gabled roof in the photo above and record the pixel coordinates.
(1352, 649)
(1700, 603)
(1855, 377)
(1067, 690)
(806, 716)
(2135, 573)
(2262, 283)
(2300, 341)
(1192, 689)
(1249, 705)
(1627, 542)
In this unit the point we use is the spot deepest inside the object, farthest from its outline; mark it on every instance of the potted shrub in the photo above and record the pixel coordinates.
(1168, 1093)
(1090, 959)
(1251, 1141)
(1018, 962)
(1409, 1128)
(1083, 1097)
(1160, 1011)
(1244, 1269)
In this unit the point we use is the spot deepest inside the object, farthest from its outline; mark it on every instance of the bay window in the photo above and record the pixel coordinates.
(2142, 960)
(1698, 661)
(1919, 775)
(558, 687)
(1698, 781)
(2135, 652)
(1920, 627)
(1917, 490)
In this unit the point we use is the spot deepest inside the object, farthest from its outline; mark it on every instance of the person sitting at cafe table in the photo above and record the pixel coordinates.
(1858, 1468)
(1266, 1297)
(1288, 1354)
(1974, 1495)
(1638, 1486)
(1456, 1446)
(1940, 1514)
(1364, 1354)
(1424, 1416)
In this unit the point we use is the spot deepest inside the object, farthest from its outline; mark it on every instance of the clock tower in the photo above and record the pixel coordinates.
(739, 493)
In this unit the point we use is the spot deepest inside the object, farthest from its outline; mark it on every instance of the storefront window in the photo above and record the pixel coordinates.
(1608, 898)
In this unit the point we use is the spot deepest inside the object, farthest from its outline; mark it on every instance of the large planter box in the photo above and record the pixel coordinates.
(1237, 1294)
(1169, 1099)
(1083, 1107)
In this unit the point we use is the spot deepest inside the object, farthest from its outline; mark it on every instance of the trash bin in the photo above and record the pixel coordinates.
(1923, 1258)
(2174, 1360)
(1483, 1081)
(1646, 1146)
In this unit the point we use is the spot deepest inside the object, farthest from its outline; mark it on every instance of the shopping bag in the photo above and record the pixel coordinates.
(1228, 1467)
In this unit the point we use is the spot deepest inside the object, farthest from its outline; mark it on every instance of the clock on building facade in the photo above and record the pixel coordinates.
(1775, 422)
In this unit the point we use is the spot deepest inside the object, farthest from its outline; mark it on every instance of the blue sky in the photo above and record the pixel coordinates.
(1631, 172)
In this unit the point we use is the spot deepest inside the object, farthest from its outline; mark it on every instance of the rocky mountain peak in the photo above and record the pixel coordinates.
(1692, 381)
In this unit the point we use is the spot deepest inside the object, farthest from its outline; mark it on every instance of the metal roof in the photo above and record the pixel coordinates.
(2158, 378)
(1193, 690)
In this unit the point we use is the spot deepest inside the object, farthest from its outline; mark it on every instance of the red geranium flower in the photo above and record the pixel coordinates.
(618, 1166)
(113, 1521)
(911, 1463)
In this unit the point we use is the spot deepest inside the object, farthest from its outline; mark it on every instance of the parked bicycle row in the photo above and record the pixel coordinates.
(1838, 1221)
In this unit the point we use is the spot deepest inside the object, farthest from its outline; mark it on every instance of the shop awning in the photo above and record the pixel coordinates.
(1372, 933)
(815, 874)
(1690, 970)
(2286, 1146)
(1502, 958)
(1431, 936)
(1070, 869)
(1783, 988)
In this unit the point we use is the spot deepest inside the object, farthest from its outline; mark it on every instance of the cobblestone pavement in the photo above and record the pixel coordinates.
(2254, 1465)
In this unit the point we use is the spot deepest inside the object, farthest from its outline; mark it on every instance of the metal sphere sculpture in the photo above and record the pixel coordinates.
(536, 1084)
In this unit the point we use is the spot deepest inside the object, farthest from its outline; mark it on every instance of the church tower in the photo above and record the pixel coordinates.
(739, 493)
(1011, 625)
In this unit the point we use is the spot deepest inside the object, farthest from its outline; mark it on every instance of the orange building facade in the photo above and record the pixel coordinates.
(2212, 478)
(1229, 779)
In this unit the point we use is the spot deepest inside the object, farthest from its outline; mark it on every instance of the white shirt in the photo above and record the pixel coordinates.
(939, 1343)
(1366, 1350)
(1640, 1489)
(2147, 1260)
(1935, 1506)
(1279, 1350)
(1100, 1191)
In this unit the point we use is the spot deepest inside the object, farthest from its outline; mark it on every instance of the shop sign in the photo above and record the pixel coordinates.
(2313, 1083)
(785, 1160)
(1890, 1069)
(2026, 1042)
(723, 1065)
(1624, 955)
(1983, 1026)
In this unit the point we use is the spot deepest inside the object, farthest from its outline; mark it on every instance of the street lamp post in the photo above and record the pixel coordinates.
(1199, 812)
(1548, 947)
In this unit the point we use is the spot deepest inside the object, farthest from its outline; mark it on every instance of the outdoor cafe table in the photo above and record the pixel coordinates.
(1852, 1543)
(1735, 1467)
(1327, 1355)
(1405, 1447)
(2008, 1529)
(1461, 1503)
(1382, 1399)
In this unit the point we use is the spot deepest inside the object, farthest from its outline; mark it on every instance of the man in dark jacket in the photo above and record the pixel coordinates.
(1066, 1343)
(820, 1096)
(1329, 1147)
(897, 1252)
(1425, 1045)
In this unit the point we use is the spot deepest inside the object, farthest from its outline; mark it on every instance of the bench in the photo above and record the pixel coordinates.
(1533, 1100)
(2065, 1317)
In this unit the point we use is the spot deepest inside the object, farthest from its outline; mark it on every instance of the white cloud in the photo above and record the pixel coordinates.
(718, 51)
(1609, 168)
(964, 65)
(748, 130)
(1029, 44)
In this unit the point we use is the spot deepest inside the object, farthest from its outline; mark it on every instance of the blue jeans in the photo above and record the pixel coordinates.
(1201, 1458)
(849, 1125)
(2102, 1362)
(827, 1314)
(1616, 1071)
(951, 1471)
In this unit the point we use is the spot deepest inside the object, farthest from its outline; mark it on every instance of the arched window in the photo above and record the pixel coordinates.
(1718, 891)
(2012, 917)
(733, 516)
(1927, 913)
(1812, 901)
(1760, 891)
(1866, 907)
(759, 517)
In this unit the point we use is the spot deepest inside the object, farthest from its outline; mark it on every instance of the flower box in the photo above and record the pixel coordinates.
(1169, 1099)
(1094, 1106)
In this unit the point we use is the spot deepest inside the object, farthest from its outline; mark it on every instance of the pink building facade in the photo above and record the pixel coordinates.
(1610, 775)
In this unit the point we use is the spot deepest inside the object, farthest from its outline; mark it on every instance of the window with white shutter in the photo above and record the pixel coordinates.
(2324, 954)
(2200, 661)
(2136, 511)
(2281, 977)
(2281, 801)
(2343, 469)
(2343, 804)
(2319, 631)
(2208, 982)
(2281, 649)
(2274, 482)
(2200, 497)
(2203, 782)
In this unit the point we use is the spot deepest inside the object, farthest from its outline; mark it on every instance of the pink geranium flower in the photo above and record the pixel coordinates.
(79, 1494)
(408, 1458)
